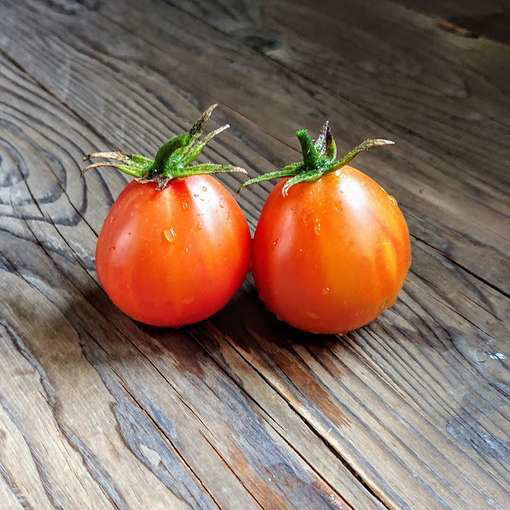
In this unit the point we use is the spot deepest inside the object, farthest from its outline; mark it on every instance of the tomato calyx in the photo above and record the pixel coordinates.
(319, 158)
(173, 160)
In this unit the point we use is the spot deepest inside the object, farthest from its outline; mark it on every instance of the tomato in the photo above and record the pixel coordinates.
(175, 246)
(174, 256)
(333, 253)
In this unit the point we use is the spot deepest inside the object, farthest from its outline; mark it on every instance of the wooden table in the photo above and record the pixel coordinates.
(241, 412)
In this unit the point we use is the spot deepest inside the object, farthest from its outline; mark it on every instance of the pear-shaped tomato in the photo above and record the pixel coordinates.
(174, 256)
(332, 248)
(175, 246)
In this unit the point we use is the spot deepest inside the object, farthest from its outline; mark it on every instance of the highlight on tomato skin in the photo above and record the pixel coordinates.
(175, 247)
(330, 253)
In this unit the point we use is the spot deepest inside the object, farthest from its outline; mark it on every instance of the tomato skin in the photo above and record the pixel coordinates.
(333, 254)
(174, 256)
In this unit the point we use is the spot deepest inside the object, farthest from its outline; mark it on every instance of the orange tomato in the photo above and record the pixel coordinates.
(333, 254)
(174, 256)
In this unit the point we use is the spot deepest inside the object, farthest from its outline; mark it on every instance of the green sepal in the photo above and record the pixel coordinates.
(286, 171)
(363, 146)
(319, 158)
(173, 160)
(134, 165)
(310, 175)
(212, 168)
(194, 149)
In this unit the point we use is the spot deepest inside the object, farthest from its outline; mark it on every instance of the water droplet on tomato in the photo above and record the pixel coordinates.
(275, 243)
(185, 205)
(326, 291)
(170, 234)
(317, 227)
(186, 249)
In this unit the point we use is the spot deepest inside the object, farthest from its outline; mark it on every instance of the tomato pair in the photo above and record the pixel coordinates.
(331, 250)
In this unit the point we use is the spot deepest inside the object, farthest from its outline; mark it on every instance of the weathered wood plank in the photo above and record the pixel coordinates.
(217, 448)
(468, 18)
(426, 373)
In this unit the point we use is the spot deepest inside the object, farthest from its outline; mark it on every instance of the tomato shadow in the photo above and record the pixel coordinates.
(302, 363)
(242, 345)
(125, 339)
(247, 322)
(63, 328)
(245, 325)
(103, 331)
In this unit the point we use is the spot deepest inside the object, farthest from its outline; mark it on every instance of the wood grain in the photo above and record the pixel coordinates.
(240, 412)
(415, 89)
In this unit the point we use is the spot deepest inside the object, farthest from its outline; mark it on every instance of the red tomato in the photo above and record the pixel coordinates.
(174, 256)
(333, 254)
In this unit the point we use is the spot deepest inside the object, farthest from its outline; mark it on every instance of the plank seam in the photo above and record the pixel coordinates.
(265, 413)
(149, 416)
(337, 454)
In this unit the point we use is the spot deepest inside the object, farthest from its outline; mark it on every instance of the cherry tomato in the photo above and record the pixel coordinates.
(174, 256)
(333, 254)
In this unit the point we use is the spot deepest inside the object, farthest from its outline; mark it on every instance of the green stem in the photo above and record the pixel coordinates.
(310, 153)
(166, 150)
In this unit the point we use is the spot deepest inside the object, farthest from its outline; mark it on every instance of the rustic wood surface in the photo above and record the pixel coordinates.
(239, 412)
